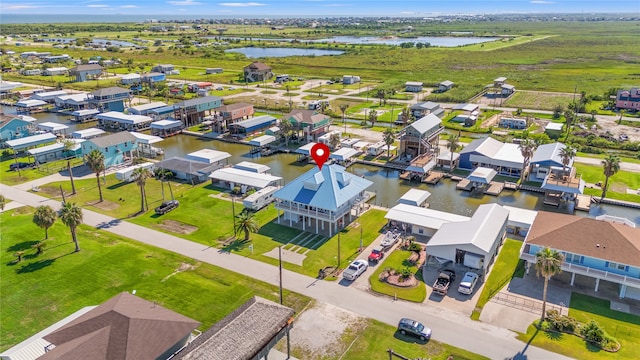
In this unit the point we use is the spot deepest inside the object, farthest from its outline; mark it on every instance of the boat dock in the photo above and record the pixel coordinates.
(433, 177)
(494, 188)
(583, 202)
(464, 184)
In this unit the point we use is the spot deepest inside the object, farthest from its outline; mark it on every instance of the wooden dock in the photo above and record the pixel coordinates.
(583, 202)
(552, 199)
(433, 177)
(465, 185)
(405, 175)
(494, 188)
(511, 186)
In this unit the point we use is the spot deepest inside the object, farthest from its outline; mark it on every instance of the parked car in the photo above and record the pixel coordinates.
(231, 88)
(167, 206)
(468, 283)
(444, 280)
(411, 327)
(355, 269)
(219, 88)
(376, 254)
(21, 165)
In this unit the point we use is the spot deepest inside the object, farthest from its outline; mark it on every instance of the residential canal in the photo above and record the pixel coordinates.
(386, 185)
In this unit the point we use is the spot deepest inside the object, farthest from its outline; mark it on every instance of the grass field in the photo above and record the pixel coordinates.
(14, 177)
(45, 288)
(624, 327)
(617, 183)
(398, 260)
(538, 100)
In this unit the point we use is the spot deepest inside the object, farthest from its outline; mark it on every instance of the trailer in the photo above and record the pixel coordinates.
(127, 173)
(260, 198)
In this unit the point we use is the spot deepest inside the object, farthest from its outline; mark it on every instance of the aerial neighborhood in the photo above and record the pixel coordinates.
(330, 188)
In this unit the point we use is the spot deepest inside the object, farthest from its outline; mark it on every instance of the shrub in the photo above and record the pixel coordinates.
(593, 332)
(414, 246)
(405, 273)
(561, 322)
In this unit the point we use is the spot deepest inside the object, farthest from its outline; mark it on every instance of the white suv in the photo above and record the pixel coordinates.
(468, 283)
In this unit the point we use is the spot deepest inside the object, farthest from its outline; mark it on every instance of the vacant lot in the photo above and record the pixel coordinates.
(539, 100)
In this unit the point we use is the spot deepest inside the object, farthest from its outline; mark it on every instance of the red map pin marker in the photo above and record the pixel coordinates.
(320, 154)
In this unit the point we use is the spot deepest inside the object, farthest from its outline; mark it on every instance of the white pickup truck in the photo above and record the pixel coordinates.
(355, 269)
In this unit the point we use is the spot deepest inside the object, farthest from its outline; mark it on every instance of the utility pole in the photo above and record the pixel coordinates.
(338, 249)
(280, 271)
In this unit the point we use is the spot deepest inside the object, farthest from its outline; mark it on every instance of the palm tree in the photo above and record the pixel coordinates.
(452, 145)
(527, 147)
(566, 154)
(71, 215)
(569, 117)
(388, 137)
(44, 217)
(548, 263)
(68, 144)
(140, 176)
(406, 115)
(343, 109)
(381, 94)
(39, 246)
(334, 140)
(3, 202)
(246, 222)
(611, 165)
(287, 128)
(373, 117)
(95, 161)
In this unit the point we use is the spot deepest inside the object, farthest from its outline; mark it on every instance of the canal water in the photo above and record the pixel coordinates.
(386, 184)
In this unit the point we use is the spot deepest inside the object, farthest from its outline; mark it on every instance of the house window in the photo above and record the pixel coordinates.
(572, 258)
(616, 266)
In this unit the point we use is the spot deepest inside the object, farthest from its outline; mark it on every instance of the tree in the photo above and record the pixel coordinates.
(569, 118)
(527, 147)
(18, 254)
(621, 115)
(95, 161)
(566, 154)
(452, 145)
(388, 137)
(406, 115)
(381, 94)
(39, 246)
(71, 216)
(557, 111)
(611, 165)
(247, 223)
(287, 128)
(140, 176)
(373, 117)
(343, 109)
(3, 202)
(548, 264)
(44, 217)
(334, 140)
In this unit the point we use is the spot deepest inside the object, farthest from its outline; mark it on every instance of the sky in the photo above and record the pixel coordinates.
(260, 8)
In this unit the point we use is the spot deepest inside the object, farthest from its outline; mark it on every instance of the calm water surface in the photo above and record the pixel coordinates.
(257, 52)
(386, 185)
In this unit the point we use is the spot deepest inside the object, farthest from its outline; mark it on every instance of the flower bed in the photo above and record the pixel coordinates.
(590, 332)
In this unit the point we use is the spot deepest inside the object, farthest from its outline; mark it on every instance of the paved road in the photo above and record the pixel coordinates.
(626, 166)
(450, 327)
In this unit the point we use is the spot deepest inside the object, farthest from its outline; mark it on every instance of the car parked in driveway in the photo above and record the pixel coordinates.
(407, 326)
(376, 254)
(468, 283)
(355, 269)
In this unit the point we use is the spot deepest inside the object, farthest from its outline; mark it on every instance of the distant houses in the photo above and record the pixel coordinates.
(86, 72)
(445, 86)
(628, 99)
(350, 79)
(413, 86)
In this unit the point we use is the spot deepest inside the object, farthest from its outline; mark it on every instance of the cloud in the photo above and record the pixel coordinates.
(248, 4)
(184, 3)
(542, 2)
(98, 6)
(407, 12)
(19, 7)
(336, 5)
(129, 6)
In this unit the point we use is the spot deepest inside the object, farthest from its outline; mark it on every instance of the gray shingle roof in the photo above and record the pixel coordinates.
(112, 139)
(110, 91)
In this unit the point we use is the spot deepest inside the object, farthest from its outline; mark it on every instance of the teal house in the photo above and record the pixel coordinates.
(15, 127)
(117, 148)
(110, 99)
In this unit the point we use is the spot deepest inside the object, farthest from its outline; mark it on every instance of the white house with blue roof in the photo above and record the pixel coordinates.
(545, 159)
(322, 201)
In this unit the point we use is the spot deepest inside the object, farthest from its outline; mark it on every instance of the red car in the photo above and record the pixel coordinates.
(376, 254)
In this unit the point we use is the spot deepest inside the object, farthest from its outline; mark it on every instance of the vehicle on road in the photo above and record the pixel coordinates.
(468, 283)
(167, 206)
(21, 165)
(355, 269)
(219, 88)
(377, 253)
(411, 327)
(444, 280)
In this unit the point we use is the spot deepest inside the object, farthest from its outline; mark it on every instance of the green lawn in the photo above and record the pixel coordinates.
(44, 289)
(373, 342)
(13, 178)
(624, 327)
(398, 260)
(504, 269)
(618, 183)
(623, 158)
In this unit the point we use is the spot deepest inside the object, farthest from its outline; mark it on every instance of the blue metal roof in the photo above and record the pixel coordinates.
(327, 189)
(549, 155)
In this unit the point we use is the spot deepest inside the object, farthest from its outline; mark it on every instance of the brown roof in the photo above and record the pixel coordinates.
(125, 327)
(257, 65)
(5, 118)
(241, 334)
(306, 116)
(589, 237)
(232, 107)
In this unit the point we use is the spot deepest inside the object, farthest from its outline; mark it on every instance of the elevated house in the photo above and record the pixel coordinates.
(601, 253)
(54, 71)
(229, 114)
(559, 182)
(257, 71)
(425, 108)
(505, 159)
(28, 142)
(252, 125)
(130, 79)
(445, 85)
(117, 148)
(421, 138)
(322, 200)
(153, 77)
(115, 120)
(311, 123)
(110, 99)
(16, 126)
(123, 327)
(86, 72)
(48, 96)
(350, 79)
(192, 112)
(628, 99)
(73, 101)
(143, 109)
(413, 86)
(163, 68)
(546, 159)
